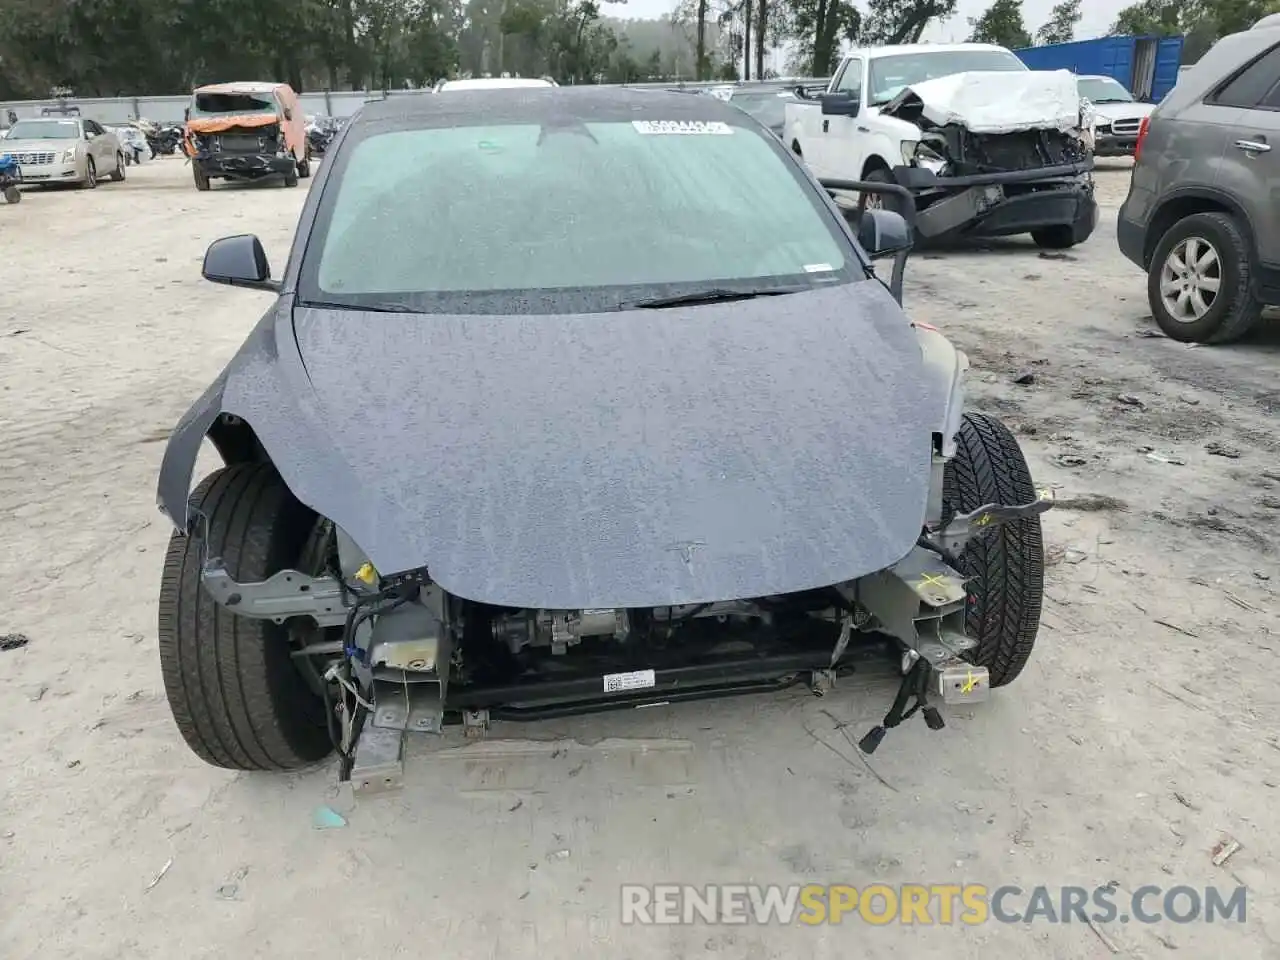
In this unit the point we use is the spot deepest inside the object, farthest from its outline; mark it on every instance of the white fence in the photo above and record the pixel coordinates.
(335, 103)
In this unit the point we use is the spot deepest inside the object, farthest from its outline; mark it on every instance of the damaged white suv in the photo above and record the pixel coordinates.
(987, 147)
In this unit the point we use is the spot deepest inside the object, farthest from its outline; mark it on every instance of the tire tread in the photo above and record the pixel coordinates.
(1006, 566)
(236, 697)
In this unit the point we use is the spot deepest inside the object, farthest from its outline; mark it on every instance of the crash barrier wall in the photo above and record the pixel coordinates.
(333, 103)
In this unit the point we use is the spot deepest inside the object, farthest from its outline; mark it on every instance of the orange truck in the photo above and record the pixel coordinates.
(246, 131)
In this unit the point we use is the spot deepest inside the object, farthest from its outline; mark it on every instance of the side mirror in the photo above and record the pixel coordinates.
(839, 105)
(239, 261)
(883, 233)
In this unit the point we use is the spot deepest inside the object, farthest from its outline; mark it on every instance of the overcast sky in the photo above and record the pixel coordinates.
(1098, 16)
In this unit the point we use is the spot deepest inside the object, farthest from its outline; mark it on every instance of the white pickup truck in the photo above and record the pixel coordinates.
(986, 146)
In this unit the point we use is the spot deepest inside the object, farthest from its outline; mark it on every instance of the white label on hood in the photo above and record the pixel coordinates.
(690, 127)
(636, 680)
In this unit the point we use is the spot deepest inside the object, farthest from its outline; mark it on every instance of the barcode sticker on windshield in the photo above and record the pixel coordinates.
(636, 680)
(687, 127)
(818, 267)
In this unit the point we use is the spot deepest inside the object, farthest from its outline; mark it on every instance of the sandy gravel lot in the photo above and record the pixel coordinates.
(1144, 730)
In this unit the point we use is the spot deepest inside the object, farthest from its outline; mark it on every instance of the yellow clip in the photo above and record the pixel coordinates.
(934, 580)
(970, 681)
(983, 520)
(367, 575)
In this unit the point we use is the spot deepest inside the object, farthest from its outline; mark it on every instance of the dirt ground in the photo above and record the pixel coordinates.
(1142, 733)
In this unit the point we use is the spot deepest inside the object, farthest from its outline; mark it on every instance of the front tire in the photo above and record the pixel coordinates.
(117, 175)
(201, 178)
(1004, 568)
(12, 195)
(882, 201)
(90, 180)
(1219, 305)
(238, 697)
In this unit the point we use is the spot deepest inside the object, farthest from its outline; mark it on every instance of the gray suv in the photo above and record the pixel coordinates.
(1200, 217)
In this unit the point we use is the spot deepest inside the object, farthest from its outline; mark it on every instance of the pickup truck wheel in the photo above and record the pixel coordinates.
(200, 177)
(881, 201)
(1058, 237)
(12, 195)
(291, 175)
(1199, 281)
(304, 168)
(1004, 568)
(239, 698)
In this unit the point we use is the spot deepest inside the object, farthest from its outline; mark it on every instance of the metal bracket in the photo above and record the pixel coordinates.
(475, 724)
(963, 527)
(378, 766)
(414, 706)
(282, 595)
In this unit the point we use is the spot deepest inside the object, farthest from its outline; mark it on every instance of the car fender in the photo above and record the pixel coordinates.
(945, 367)
(283, 403)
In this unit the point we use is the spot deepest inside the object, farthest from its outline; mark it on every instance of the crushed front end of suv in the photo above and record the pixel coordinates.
(246, 131)
(487, 457)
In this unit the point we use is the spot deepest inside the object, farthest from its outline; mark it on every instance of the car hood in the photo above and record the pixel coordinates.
(626, 459)
(36, 146)
(993, 102)
(224, 122)
(1111, 112)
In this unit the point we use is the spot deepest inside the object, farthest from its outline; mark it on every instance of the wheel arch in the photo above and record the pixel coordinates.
(875, 162)
(1185, 203)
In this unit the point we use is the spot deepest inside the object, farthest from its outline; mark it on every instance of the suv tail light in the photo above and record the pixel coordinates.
(1142, 135)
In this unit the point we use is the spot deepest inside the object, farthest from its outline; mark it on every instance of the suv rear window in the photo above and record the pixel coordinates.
(1255, 85)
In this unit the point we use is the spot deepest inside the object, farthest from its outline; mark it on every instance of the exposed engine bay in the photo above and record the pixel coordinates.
(253, 141)
(409, 656)
(954, 151)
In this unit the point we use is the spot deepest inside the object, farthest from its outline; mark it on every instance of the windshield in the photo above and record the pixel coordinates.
(214, 104)
(1103, 90)
(767, 106)
(45, 130)
(568, 218)
(889, 75)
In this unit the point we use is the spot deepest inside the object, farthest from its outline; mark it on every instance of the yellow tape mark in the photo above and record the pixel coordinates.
(934, 580)
(970, 682)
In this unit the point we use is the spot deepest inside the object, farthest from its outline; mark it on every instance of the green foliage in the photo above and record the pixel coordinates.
(132, 47)
(1061, 25)
(1001, 23)
(1202, 22)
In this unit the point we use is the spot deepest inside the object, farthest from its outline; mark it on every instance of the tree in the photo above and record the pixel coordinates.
(1201, 22)
(1061, 25)
(818, 27)
(1001, 23)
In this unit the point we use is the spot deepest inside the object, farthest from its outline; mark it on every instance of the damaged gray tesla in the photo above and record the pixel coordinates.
(569, 400)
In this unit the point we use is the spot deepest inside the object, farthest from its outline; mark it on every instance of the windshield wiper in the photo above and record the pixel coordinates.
(1113, 100)
(382, 307)
(713, 295)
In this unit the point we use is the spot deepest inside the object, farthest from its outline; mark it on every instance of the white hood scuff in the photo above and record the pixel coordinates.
(998, 101)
